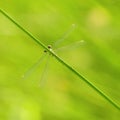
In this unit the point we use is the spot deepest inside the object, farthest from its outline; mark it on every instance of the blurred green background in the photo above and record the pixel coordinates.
(63, 95)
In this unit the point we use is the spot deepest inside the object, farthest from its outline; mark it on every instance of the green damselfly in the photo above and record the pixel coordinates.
(54, 48)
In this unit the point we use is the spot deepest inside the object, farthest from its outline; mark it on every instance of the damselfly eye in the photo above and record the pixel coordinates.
(45, 51)
(49, 46)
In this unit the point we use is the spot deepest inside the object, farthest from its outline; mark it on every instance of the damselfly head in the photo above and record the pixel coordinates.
(45, 51)
(49, 46)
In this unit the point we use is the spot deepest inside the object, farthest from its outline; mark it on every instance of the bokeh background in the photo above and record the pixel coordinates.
(63, 96)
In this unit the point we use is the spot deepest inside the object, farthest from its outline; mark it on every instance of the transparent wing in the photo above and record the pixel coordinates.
(44, 73)
(71, 46)
(30, 71)
(64, 36)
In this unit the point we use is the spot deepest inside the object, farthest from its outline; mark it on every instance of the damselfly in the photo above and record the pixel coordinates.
(54, 49)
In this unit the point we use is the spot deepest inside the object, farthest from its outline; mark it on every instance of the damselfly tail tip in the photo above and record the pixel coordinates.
(23, 77)
(82, 41)
(73, 25)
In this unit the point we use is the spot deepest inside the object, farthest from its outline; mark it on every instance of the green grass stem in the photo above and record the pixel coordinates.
(63, 62)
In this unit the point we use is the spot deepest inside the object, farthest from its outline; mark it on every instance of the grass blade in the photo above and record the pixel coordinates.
(64, 63)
